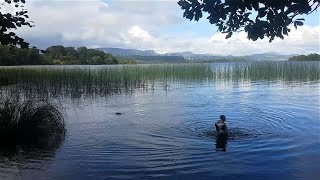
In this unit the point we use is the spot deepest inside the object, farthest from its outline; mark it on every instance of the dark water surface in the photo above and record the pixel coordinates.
(167, 133)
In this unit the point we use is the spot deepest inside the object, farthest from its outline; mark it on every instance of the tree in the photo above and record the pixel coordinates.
(9, 22)
(110, 59)
(55, 52)
(82, 51)
(81, 55)
(258, 18)
(70, 51)
(96, 60)
(17, 56)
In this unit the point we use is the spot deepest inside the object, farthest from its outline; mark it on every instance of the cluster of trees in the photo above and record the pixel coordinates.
(81, 55)
(10, 56)
(126, 60)
(310, 57)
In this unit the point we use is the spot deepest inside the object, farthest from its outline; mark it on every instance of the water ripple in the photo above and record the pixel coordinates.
(273, 132)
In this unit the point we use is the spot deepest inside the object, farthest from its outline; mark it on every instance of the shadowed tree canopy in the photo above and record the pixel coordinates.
(10, 21)
(258, 18)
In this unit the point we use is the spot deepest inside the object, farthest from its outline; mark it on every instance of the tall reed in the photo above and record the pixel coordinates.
(77, 80)
(30, 122)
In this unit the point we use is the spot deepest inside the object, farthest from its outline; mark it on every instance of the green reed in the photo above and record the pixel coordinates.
(114, 79)
(102, 80)
(30, 122)
(284, 71)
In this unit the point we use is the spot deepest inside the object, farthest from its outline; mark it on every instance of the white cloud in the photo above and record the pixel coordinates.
(140, 24)
(303, 40)
(137, 32)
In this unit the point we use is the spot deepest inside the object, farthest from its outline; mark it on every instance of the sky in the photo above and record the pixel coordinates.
(149, 25)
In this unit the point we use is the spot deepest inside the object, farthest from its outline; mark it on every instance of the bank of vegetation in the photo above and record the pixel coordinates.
(31, 122)
(310, 57)
(116, 79)
(58, 55)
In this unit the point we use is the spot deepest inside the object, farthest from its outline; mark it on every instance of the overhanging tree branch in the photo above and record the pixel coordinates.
(258, 18)
(10, 22)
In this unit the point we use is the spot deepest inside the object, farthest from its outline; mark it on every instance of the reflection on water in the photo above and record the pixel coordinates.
(234, 134)
(15, 160)
(221, 142)
(94, 81)
(31, 132)
(169, 135)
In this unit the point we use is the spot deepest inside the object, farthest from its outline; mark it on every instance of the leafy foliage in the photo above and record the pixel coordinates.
(258, 18)
(16, 56)
(310, 57)
(10, 56)
(81, 55)
(126, 60)
(9, 22)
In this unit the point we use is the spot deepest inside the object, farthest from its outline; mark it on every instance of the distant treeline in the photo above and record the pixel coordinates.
(218, 60)
(159, 59)
(310, 57)
(15, 56)
(10, 56)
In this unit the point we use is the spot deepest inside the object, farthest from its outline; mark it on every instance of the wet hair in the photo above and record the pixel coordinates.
(223, 118)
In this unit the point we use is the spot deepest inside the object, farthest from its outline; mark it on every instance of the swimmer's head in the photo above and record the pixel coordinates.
(223, 118)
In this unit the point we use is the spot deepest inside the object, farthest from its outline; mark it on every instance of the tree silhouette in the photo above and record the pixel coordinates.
(258, 18)
(11, 21)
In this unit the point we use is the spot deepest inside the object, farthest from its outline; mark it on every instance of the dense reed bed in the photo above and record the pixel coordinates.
(104, 80)
(268, 71)
(98, 80)
(285, 71)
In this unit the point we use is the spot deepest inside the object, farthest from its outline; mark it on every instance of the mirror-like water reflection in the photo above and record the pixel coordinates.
(168, 133)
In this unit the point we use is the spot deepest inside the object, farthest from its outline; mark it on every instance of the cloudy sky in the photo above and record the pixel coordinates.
(149, 24)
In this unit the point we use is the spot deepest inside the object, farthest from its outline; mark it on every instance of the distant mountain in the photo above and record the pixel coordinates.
(192, 56)
(150, 56)
(183, 54)
(160, 59)
(269, 56)
(128, 52)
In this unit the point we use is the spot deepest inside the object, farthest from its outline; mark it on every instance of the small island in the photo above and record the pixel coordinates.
(58, 55)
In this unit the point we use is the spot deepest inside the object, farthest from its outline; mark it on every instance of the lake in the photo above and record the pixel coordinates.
(166, 132)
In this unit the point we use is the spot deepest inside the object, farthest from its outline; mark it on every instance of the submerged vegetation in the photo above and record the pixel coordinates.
(104, 80)
(30, 123)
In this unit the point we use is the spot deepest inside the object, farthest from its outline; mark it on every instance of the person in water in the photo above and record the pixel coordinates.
(221, 126)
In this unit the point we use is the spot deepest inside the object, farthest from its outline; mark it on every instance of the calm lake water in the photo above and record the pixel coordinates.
(167, 133)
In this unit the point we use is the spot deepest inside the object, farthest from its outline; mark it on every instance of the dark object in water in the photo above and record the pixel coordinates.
(222, 129)
(118, 113)
(221, 142)
(221, 126)
(222, 133)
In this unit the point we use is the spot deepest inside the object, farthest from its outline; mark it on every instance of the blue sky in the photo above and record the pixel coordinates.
(156, 25)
